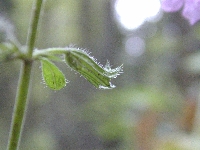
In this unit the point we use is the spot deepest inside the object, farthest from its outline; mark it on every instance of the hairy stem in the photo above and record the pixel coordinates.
(23, 85)
(50, 51)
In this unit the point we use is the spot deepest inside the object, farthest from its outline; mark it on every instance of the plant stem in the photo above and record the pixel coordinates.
(20, 106)
(50, 51)
(33, 27)
(21, 100)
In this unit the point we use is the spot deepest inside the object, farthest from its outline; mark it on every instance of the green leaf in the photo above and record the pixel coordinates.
(7, 51)
(52, 75)
(86, 65)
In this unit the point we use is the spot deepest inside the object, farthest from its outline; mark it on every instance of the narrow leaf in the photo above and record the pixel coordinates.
(52, 75)
(86, 65)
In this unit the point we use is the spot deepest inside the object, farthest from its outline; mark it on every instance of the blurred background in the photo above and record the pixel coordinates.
(155, 105)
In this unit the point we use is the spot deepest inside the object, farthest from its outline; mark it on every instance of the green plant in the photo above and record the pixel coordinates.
(75, 58)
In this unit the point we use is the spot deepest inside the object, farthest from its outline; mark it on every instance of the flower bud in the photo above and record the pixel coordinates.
(86, 65)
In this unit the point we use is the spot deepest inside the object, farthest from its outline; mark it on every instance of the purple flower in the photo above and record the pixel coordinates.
(191, 8)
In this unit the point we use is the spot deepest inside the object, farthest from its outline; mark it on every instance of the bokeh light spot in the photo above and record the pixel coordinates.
(133, 13)
(135, 46)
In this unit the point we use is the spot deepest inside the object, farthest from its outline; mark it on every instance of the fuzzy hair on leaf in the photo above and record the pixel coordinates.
(87, 66)
(52, 75)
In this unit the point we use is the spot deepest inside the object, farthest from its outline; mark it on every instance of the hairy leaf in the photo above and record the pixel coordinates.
(52, 75)
(86, 65)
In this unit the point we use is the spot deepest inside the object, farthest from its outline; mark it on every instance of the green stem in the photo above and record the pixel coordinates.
(20, 106)
(33, 27)
(55, 50)
(50, 51)
(23, 85)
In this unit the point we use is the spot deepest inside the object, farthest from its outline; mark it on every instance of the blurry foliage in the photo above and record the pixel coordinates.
(148, 108)
(116, 114)
(5, 6)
